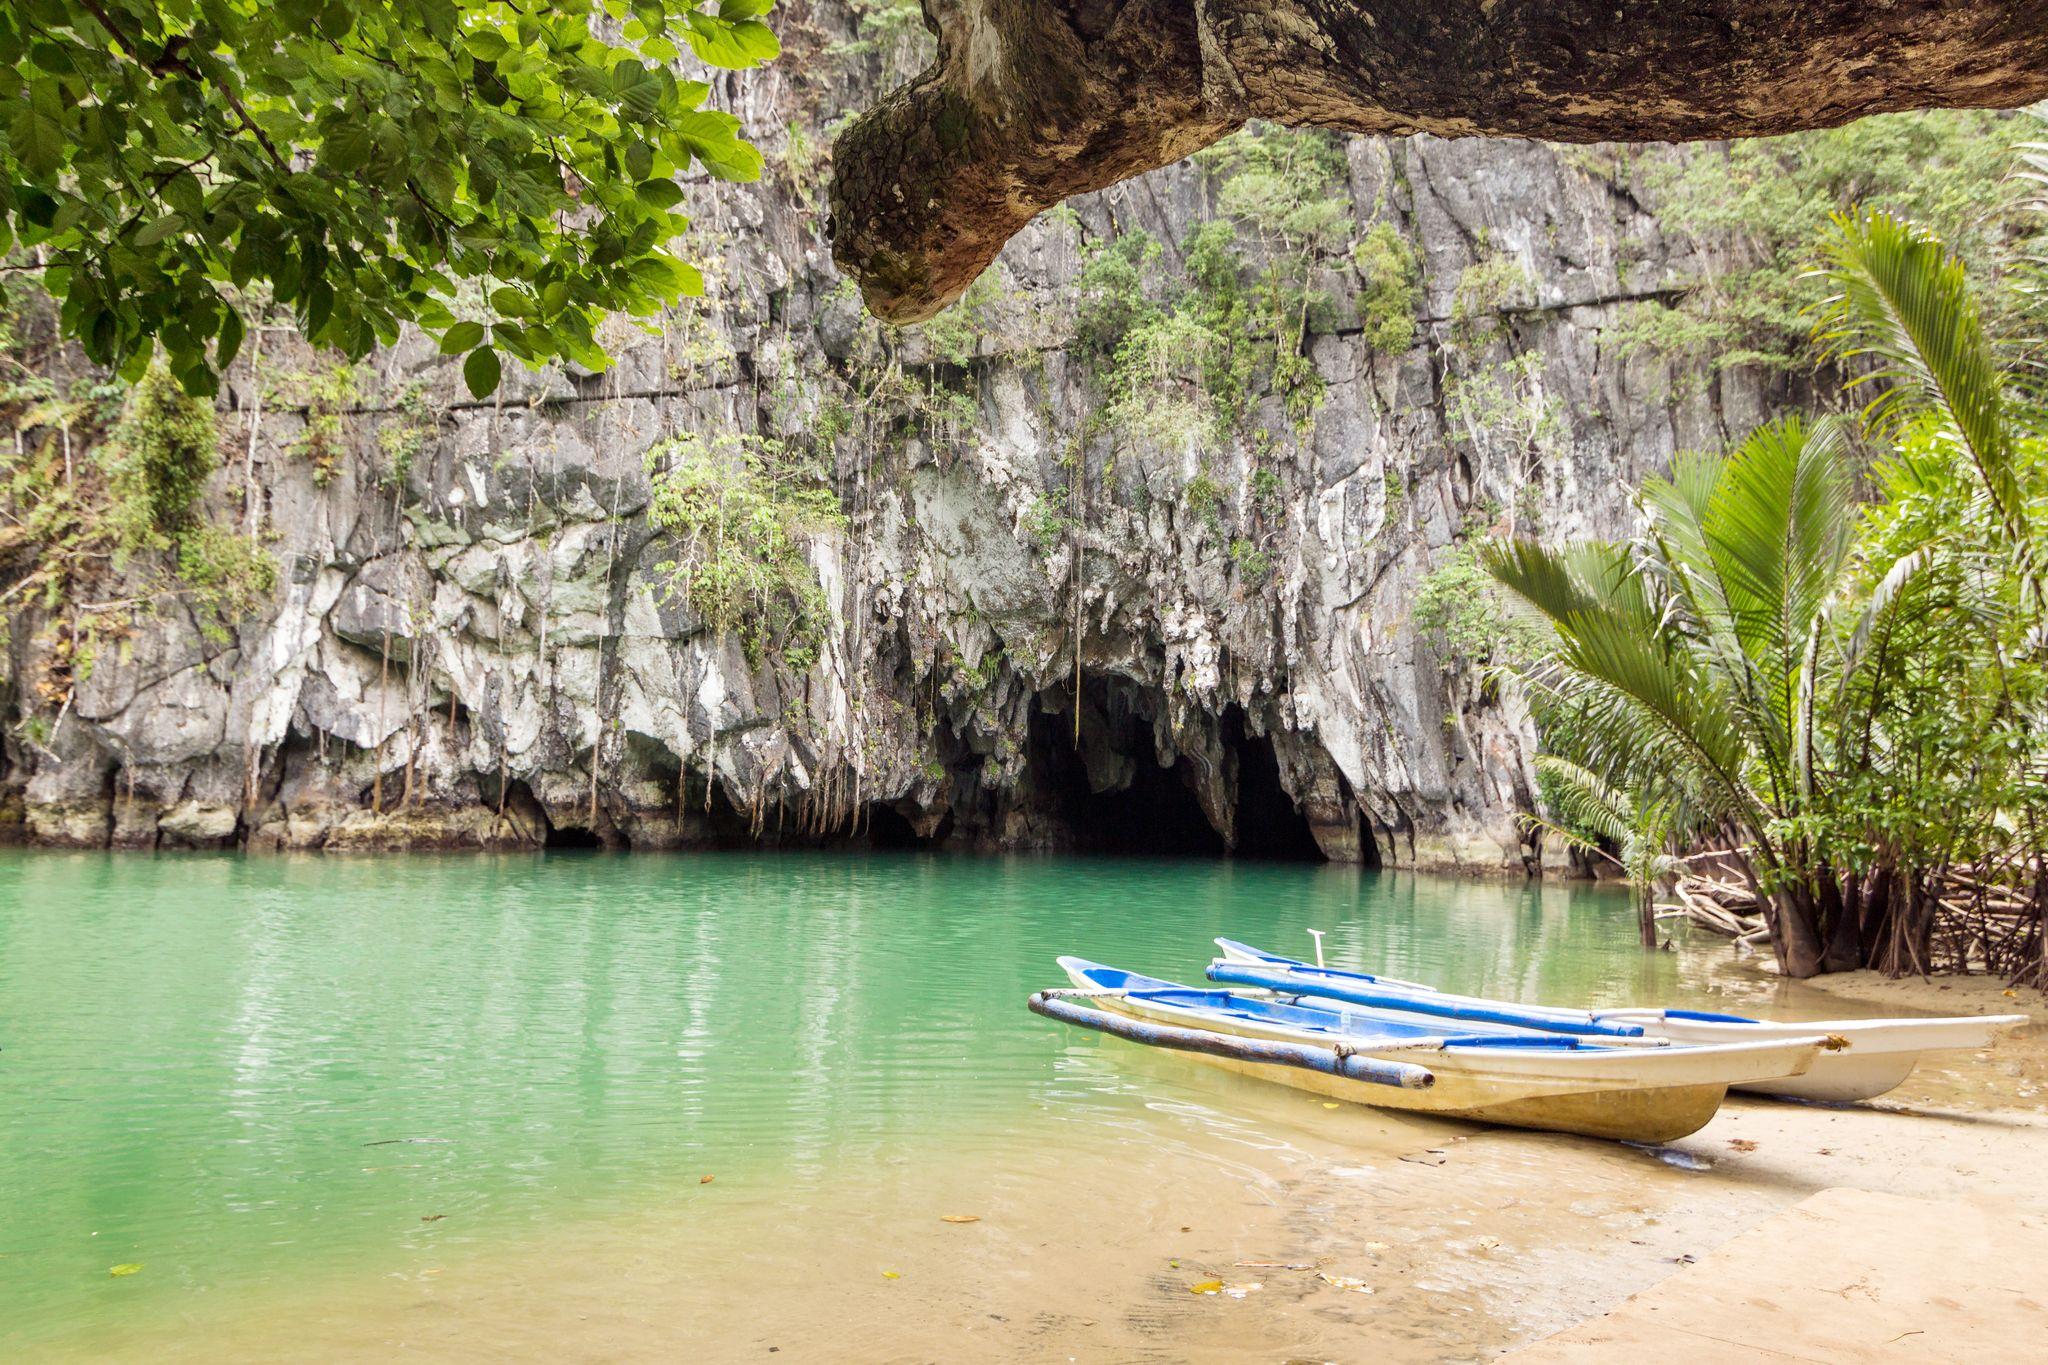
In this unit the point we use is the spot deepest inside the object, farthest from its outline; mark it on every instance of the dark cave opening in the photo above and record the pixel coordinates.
(883, 826)
(1156, 814)
(561, 839)
(1270, 827)
(1368, 843)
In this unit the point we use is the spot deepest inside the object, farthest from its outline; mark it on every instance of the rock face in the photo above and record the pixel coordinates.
(1044, 625)
(1028, 104)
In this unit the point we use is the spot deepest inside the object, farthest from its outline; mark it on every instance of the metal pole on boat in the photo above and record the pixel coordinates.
(1317, 935)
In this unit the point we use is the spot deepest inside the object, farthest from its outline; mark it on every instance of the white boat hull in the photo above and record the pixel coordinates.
(1873, 1056)
(1635, 1094)
(1877, 1054)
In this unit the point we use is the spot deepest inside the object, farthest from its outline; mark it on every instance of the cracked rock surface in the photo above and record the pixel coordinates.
(483, 648)
(1032, 101)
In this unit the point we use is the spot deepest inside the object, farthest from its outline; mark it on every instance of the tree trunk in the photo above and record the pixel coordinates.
(1795, 931)
(1841, 922)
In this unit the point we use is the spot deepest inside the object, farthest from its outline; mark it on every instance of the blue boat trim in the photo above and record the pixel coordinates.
(1331, 1061)
(1359, 1028)
(1353, 989)
(1364, 989)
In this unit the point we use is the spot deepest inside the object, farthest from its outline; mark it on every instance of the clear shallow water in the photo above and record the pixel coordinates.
(247, 1072)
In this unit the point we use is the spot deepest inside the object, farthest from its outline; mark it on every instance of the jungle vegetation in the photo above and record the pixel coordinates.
(1827, 651)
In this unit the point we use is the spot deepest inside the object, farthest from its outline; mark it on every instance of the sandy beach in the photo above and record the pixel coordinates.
(1317, 1232)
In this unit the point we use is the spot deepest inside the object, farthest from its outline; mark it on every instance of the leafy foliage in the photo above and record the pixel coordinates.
(745, 520)
(163, 453)
(1459, 604)
(1771, 202)
(366, 162)
(1392, 295)
(1506, 412)
(100, 506)
(1187, 366)
(1855, 697)
(1632, 830)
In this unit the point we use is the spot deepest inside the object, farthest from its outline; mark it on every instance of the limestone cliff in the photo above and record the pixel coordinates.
(478, 638)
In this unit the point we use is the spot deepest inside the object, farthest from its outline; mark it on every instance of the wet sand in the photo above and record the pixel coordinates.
(1337, 1233)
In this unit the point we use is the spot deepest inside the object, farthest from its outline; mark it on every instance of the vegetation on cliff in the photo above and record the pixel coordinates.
(744, 519)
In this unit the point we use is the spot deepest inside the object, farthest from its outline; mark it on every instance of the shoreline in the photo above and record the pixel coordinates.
(1328, 1230)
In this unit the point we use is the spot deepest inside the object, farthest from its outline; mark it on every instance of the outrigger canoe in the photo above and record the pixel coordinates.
(1874, 1056)
(1490, 1073)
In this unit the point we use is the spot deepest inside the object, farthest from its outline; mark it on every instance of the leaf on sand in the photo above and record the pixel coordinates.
(706, 1180)
(125, 1268)
(892, 1274)
(1742, 1144)
(960, 1218)
(1206, 1287)
(1331, 1104)
(1350, 1282)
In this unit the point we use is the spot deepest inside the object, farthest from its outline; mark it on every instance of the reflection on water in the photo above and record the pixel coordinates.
(240, 1071)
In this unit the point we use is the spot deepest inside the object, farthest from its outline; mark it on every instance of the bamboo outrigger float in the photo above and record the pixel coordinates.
(1871, 1057)
(1490, 1073)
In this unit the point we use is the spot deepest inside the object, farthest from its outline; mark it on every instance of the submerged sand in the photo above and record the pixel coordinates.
(1325, 1233)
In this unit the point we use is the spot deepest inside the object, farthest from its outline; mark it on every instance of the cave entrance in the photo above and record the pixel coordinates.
(1155, 814)
(1109, 794)
(561, 839)
(882, 826)
(1270, 827)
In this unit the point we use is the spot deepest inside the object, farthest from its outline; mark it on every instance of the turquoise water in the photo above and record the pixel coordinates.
(236, 1072)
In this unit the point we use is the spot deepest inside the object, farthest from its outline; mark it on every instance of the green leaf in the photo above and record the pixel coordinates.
(229, 343)
(348, 147)
(37, 130)
(409, 156)
(125, 1268)
(735, 46)
(481, 371)
(660, 194)
(149, 234)
(461, 337)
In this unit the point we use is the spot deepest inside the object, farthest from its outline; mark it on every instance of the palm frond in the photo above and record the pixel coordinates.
(1903, 300)
(1586, 800)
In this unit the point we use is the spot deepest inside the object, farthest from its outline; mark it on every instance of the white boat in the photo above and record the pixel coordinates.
(1873, 1056)
(1490, 1073)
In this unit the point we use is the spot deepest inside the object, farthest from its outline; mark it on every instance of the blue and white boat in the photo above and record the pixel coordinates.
(1867, 1057)
(1482, 1070)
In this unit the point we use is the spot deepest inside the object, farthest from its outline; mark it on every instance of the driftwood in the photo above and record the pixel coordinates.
(1983, 918)
(1714, 903)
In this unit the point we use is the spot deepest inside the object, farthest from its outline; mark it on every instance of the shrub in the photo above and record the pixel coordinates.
(164, 450)
(744, 520)
(1392, 293)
